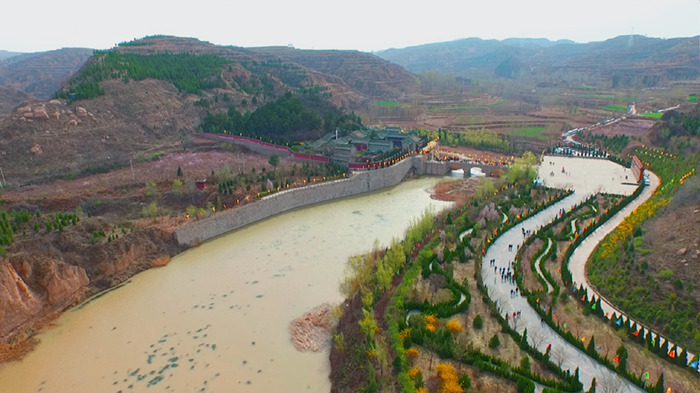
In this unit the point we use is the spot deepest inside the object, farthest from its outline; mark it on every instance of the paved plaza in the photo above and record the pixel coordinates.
(586, 175)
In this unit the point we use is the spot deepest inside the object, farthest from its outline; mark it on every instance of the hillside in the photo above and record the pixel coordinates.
(625, 61)
(10, 98)
(41, 74)
(7, 54)
(149, 95)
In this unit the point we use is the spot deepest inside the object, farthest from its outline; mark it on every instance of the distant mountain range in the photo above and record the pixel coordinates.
(625, 61)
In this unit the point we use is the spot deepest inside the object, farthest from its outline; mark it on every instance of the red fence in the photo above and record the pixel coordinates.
(285, 149)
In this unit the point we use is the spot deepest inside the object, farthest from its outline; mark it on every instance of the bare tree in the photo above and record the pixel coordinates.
(578, 328)
(557, 355)
(610, 383)
(536, 339)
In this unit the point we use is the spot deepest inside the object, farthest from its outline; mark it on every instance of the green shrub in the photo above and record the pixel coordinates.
(478, 322)
(494, 342)
(464, 381)
(525, 363)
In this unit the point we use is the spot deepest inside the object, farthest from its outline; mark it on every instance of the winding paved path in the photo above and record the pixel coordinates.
(539, 333)
(580, 256)
(586, 176)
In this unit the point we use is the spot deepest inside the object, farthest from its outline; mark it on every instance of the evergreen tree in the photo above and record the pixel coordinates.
(682, 359)
(664, 347)
(494, 342)
(593, 383)
(622, 358)
(659, 387)
(591, 346)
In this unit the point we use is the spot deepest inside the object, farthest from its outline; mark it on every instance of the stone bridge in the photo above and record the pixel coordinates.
(442, 168)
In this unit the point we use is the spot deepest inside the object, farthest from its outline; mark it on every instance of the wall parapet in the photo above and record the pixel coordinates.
(271, 205)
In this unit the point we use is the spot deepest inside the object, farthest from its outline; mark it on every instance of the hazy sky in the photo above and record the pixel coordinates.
(365, 25)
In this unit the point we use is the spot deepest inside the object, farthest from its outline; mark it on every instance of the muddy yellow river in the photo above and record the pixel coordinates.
(216, 318)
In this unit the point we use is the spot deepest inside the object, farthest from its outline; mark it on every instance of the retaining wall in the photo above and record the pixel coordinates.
(359, 182)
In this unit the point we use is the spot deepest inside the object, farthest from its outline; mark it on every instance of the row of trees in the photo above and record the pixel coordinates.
(616, 143)
(482, 139)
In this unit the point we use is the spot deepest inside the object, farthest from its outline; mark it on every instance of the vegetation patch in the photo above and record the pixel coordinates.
(290, 118)
(614, 144)
(530, 132)
(617, 271)
(189, 73)
(387, 103)
(457, 109)
(653, 115)
(481, 139)
(413, 297)
(616, 108)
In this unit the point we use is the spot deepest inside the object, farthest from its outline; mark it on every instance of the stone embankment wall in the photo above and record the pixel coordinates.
(359, 182)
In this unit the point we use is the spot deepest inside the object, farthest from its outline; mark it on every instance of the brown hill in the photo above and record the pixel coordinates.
(10, 99)
(136, 118)
(41, 74)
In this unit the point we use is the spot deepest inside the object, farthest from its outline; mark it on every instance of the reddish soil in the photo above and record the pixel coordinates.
(128, 182)
(458, 191)
(635, 126)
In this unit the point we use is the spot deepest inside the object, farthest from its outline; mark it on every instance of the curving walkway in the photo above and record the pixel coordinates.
(580, 256)
(539, 333)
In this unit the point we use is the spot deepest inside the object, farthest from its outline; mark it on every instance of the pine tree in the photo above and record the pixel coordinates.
(593, 383)
(622, 358)
(664, 348)
(179, 172)
(648, 340)
(599, 308)
(682, 359)
(659, 387)
(591, 346)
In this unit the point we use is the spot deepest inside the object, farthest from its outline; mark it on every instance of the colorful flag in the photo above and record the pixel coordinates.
(617, 358)
(646, 375)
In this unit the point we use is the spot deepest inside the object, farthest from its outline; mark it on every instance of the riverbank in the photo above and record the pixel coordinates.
(102, 250)
(246, 286)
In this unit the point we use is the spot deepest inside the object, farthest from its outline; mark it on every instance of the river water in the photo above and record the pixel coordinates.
(216, 318)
